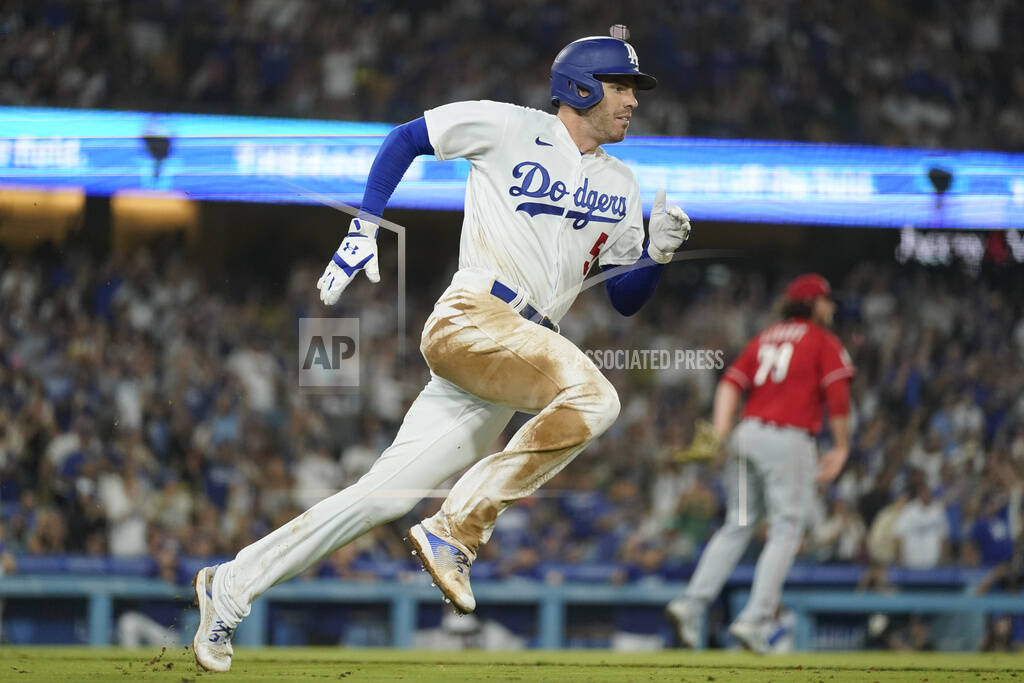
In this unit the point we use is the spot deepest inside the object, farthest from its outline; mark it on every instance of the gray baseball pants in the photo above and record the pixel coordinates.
(769, 474)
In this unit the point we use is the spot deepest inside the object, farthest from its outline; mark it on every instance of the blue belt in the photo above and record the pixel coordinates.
(507, 295)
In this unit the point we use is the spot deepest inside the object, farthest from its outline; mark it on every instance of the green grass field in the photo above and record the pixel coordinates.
(287, 664)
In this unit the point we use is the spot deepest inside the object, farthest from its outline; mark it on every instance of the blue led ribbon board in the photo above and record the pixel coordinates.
(309, 161)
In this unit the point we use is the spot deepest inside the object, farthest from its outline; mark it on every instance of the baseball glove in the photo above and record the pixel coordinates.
(705, 445)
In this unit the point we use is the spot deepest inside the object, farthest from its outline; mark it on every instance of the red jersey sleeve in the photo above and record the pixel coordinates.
(835, 361)
(742, 370)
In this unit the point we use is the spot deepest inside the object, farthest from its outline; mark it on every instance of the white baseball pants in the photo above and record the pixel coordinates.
(770, 472)
(486, 363)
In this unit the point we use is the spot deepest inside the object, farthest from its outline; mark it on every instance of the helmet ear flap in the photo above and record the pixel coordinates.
(575, 89)
(573, 92)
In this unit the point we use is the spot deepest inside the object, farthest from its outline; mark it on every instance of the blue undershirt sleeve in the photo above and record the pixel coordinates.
(403, 144)
(630, 290)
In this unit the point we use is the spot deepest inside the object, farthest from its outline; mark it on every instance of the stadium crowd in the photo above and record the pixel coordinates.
(943, 73)
(147, 411)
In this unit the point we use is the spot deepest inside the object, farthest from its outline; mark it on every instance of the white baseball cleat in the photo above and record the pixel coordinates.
(212, 645)
(448, 566)
(685, 621)
(750, 635)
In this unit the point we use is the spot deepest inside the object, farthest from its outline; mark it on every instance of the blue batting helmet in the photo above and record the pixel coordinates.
(582, 61)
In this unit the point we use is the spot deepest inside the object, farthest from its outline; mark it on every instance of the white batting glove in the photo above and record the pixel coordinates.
(357, 252)
(669, 229)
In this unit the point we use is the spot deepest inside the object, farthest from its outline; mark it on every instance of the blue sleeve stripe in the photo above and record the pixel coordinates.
(403, 144)
(630, 290)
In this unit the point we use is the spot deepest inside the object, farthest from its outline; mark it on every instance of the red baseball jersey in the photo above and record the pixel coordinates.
(786, 369)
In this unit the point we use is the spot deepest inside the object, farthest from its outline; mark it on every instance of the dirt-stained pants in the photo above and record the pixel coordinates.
(486, 362)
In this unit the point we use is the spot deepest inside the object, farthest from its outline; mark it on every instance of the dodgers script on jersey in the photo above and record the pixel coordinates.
(787, 368)
(538, 213)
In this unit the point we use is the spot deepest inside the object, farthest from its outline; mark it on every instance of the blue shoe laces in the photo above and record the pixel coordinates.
(221, 629)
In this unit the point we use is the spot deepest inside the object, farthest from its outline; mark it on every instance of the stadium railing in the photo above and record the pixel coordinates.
(402, 598)
(102, 581)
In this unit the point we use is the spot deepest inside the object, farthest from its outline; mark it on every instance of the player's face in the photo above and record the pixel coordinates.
(609, 118)
(824, 311)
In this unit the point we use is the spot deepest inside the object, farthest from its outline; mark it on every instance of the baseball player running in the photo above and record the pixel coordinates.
(544, 202)
(788, 371)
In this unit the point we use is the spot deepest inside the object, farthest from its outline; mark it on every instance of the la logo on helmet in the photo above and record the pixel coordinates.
(632, 56)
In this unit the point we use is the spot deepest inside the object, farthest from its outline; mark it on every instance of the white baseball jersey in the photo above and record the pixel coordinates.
(538, 213)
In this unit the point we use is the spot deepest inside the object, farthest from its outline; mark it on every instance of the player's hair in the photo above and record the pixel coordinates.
(794, 309)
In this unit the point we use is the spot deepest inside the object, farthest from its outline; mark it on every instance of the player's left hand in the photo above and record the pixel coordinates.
(705, 445)
(357, 252)
(830, 465)
(669, 228)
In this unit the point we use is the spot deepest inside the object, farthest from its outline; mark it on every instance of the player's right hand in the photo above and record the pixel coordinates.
(357, 252)
(830, 465)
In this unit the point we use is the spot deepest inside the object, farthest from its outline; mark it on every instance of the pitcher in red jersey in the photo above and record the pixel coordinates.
(789, 372)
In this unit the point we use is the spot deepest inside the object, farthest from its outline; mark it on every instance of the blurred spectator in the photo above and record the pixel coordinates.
(928, 457)
(840, 537)
(855, 483)
(358, 457)
(340, 564)
(66, 453)
(999, 637)
(257, 371)
(990, 539)
(123, 494)
(48, 534)
(889, 632)
(171, 505)
(883, 541)
(952, 493)
(317, 476)
(918, 635)
(85, 512)
(693, 520)
(519, 561)
(1008, 575)
(922, 532)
